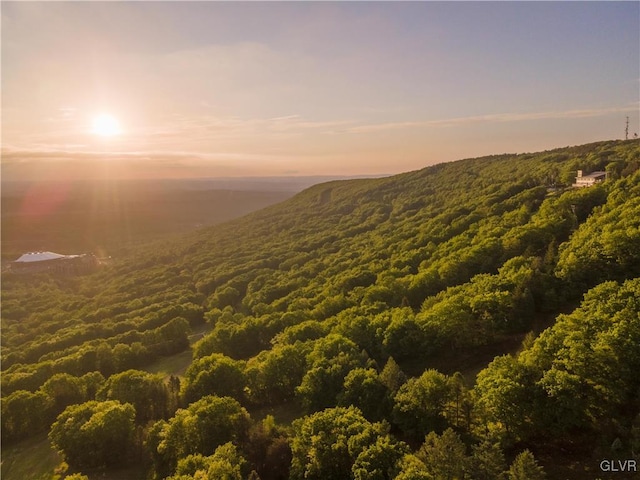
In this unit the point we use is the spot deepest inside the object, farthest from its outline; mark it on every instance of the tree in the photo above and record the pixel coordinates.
(91, 382)
(487, 462)
(173, 336)
(268, 450)
(25, 413)
(224, 297)
(412, 468)
(215, 374)
(379, 461)
(444, 456)
(403, 338)
(459, 410)
(105, 361)
(200, 428)
(358, 326)
(392, 376)
(525, 467)
(64, 390)
(226, 463)
(326, 445)
(507, 394)
(364, 389)
(331, 359)
(146, 392)
(94, 434)
(303, 331)
(420, 404)
(273, 375)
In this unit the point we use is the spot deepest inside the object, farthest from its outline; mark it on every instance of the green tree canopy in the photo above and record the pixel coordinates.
(444, 456)
(525, 467)
(200, 428)
(94, 434)
(215, 374)
(226, 463)
(327, 445)
(147, 392)
(420, 404)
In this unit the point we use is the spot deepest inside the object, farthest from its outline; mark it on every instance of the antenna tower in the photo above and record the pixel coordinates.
(626, 130)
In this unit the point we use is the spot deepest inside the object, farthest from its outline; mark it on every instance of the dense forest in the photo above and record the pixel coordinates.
(478, 319)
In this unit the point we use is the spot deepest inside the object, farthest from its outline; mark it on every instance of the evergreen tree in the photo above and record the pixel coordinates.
(487, 462)
(444, 456)
(392, 376)
(525, 467)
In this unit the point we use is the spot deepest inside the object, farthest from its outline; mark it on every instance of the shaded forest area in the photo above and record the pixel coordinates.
(350, 303)
(109, 217)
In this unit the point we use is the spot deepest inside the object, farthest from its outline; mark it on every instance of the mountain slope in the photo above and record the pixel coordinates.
(309, 299)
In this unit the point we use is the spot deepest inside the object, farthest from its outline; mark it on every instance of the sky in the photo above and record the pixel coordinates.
(210, 89)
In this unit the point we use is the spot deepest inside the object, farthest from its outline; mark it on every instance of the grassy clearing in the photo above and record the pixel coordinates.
(283, 414)
(177, 364)
(32, 459)
(131, 473)
(35, 459)
(174, 365)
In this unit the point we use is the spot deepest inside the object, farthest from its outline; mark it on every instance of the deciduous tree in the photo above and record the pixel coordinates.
(94, 434)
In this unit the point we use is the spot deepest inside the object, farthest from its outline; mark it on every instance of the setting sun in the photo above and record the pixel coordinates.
(105, 125)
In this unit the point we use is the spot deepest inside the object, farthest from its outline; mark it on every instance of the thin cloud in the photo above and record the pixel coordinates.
(293, 123)
(495, 118)
(16, 155)
(176, 130)
(207, 126)
(378, 127)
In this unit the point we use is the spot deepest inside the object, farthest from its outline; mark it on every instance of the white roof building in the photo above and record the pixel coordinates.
(35, 262)
(41, 257)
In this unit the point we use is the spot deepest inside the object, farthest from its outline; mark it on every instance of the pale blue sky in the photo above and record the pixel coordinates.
(210, 88)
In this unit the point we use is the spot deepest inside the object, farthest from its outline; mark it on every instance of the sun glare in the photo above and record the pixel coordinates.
(105, 125)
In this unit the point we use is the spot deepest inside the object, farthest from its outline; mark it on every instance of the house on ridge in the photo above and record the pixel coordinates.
(589, 180)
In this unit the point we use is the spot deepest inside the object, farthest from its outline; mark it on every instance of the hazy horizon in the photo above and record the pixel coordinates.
(184, 90)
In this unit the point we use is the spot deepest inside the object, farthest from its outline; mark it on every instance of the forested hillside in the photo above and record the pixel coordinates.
(358, 313)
